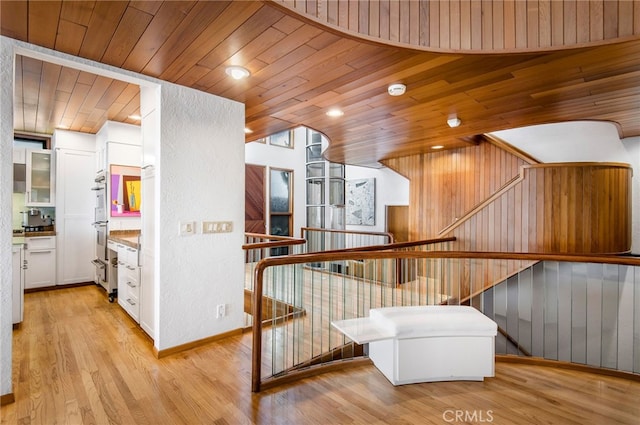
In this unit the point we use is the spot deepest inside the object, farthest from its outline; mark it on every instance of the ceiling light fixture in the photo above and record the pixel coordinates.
(237, 72)
(396, 89)
(335, 113)
(135, 117)
(247, 130)
(437, 147)
(454, 122)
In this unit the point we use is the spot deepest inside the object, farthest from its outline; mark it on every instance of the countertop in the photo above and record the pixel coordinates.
(18, 237)
(128, 238)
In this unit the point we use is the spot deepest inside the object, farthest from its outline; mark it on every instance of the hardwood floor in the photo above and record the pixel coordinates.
(80, 360)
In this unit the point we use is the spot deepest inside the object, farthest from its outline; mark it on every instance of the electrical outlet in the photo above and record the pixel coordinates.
(220, 311)
(187, 228)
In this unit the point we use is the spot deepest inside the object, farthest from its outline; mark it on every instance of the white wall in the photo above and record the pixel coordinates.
(201, 146)
(6, 189)
(391, 189)
(291, 159)
(201, 176)
(632, 146)
(122, 142)
(580, 141)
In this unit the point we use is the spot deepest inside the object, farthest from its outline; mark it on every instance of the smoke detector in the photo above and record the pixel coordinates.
(396, 89)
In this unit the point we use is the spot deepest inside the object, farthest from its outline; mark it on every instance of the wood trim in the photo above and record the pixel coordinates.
(56, 287)
(313, 371)
(459, 222)
(537, 361)
(350, 232)
(7, 399)
(194, 344)
(498, 142)
(496, 26)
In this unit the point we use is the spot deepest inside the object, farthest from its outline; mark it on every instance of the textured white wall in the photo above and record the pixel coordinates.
(201, 178)
(6, 188)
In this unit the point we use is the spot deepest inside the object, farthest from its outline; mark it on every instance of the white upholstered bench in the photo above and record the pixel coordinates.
(426, 343)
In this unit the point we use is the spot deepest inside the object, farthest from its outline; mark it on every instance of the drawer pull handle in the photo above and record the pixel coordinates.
(131, 284)
(130, 302)
(131, 268)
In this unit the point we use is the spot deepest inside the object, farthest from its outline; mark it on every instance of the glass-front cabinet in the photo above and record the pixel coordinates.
(40, 179)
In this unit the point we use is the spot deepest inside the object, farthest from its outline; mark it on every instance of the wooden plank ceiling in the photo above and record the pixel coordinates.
(299, 70)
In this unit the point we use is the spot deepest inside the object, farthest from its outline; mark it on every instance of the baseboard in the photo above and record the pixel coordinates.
(538, 361)
(49, 288)
(194, 344)
(7, 399)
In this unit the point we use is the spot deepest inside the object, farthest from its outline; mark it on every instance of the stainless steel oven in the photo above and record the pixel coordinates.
(100, 223)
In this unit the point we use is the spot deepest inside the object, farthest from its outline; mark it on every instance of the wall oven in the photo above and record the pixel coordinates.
(100, 224)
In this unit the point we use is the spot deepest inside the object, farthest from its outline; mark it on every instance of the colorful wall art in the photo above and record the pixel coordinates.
(125, 191)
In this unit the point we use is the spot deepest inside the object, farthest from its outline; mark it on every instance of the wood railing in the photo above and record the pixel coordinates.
(443, 268)
(319, 239)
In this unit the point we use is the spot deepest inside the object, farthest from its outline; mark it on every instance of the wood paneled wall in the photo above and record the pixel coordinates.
(551, 208)
(480, 25)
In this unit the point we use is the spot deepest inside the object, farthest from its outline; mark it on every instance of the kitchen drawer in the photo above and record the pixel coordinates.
(132, 287)
(112, 245)
(40, 242)
(131, 305)
(131, 256)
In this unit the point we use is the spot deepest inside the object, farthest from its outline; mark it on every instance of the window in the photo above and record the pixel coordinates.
(283, 139)
(280, 205)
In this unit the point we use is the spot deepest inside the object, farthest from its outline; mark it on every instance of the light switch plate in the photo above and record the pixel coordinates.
(217, 227)
(187, 228)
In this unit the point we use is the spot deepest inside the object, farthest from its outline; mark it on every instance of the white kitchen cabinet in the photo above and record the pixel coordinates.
(40, 262)
(150, 127)
(18, 285)
(75, 202)
(147, 255)
(129, 281)
(19, 155)
(40, 178)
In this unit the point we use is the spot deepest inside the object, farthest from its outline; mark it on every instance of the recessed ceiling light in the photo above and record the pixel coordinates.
(237, 72)
(396, 89)
(454, 122)
(437, 147)
(62, 127)
(335, 113)
(247, 130)
(135, 117)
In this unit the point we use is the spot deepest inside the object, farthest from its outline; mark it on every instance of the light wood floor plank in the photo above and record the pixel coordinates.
(80, 360)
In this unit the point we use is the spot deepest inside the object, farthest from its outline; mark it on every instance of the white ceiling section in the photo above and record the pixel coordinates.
(575, 141)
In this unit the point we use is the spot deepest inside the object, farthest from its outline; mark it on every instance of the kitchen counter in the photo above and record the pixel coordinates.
(128, 238)
(41, 233)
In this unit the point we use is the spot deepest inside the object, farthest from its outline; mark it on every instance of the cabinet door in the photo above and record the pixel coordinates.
(40, 179)
(41, 268)
(147, 243)
(75, 202)
(18, 290)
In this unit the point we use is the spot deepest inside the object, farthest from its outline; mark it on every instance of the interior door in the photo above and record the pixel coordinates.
(254, 214)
